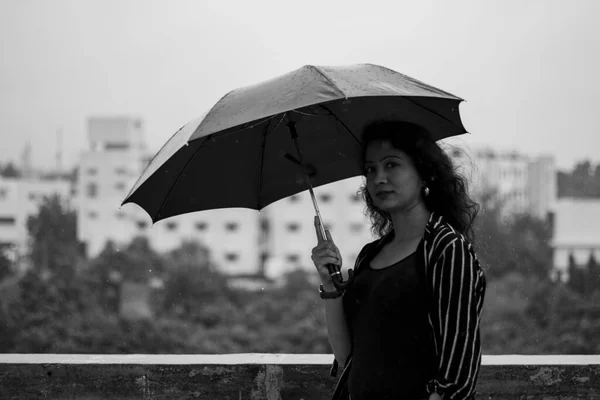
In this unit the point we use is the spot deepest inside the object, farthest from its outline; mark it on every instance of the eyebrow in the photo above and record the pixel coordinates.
(383, 158)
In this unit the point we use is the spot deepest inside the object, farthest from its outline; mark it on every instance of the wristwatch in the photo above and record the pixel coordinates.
(329, 295)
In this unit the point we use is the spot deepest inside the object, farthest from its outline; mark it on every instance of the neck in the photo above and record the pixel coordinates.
(409, 224)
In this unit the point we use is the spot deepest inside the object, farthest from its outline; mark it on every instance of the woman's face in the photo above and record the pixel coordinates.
(392, 179)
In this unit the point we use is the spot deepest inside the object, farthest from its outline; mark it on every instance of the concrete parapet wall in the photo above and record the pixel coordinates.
(263, 376)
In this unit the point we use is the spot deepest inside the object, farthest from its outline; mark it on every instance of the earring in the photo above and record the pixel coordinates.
(426, 191)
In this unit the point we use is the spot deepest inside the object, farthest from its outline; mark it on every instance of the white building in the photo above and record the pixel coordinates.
(281, 236)
(542, 186)
(521, 184)
(106, 172)
(116, 159)
(20, 199)
(576, 232)
(291, 233)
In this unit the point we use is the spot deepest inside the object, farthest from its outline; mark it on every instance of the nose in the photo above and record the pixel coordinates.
(380, 176)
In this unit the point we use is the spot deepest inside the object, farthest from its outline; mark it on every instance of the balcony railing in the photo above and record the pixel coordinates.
(263, 376)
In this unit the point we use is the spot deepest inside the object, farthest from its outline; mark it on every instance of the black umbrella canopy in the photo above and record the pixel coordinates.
(241, 153)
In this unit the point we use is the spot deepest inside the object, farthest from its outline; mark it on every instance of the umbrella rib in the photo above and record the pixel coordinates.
(178, 179)
(328, 79)
(262, 162)
(343, 124)
(247, 126)
(431, 111)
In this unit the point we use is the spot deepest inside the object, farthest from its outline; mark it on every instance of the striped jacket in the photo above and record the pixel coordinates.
(456, 289)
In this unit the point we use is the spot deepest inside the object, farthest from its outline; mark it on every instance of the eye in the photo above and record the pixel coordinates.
(391, 164)
(368, 170)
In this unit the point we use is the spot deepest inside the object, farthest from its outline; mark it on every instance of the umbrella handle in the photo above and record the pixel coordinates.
(334, 270)
(337, 279)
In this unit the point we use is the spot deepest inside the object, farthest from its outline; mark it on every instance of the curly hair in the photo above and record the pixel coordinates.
(448, 189)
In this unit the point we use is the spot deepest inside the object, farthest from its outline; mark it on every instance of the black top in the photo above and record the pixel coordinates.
(456, 286)
(391, 343)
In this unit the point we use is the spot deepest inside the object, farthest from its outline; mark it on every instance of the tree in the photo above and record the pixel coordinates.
(518, 242)
(531, 239)
(9, 171)
(576, 280)
(591, 275)
(5, 265)
(582, 182)
(54, 246)
(492, 243)
(193, 283)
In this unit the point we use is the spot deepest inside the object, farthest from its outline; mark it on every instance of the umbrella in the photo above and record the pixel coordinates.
(264, 142)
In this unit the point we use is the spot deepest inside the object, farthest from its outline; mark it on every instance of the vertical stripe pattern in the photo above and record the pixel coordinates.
(458, 286)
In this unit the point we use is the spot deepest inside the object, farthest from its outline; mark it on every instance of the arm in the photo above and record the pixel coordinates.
(326, 252)
(457, 303)
(337, 328)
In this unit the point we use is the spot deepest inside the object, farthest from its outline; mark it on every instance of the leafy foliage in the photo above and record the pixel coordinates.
(5, 265)
(582, 182)
(196, 310)
(9, 170)
(53, 234)
(520, 243)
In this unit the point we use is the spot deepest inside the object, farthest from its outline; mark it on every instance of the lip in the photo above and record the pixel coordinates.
(383, 193)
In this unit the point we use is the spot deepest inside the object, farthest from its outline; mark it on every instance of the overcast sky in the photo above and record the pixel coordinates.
(528, 69)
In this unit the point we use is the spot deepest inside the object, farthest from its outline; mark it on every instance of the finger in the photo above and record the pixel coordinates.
(324, 245)
(337, 253)
(325, 253)
(323, 261)
(328, 234)
(318, 230)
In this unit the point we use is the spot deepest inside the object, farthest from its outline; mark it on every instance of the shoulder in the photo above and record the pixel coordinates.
(442, 237)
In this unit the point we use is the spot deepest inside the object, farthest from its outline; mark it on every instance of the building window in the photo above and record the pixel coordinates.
(92, 190)
(120, 186)
(3, 193)
(293, 227)
(325, 197)
(120, 215)
(92, 171)
(355, 198)
(32, 196)
(116, 146)
(92, 215)
(294, 199)
(201, 226)
(7, 220)
(142, 225)
(265, 225)
(264, 256)
(171, 226)
(356, 227)
(232, 257)
(121, 171)
(231, 226)
(292, 258)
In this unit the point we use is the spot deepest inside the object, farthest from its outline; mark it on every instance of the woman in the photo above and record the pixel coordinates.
(408, 327)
